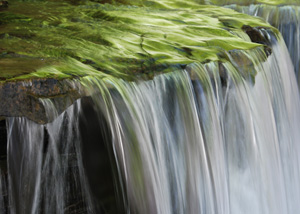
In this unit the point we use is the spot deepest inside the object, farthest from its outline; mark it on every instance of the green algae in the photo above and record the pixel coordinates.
(60, 39)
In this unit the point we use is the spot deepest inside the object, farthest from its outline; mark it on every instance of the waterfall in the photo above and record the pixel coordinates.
(207, 139)
(45, 167)
(200, 146)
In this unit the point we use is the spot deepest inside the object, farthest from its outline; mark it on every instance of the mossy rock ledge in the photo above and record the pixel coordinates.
(46, 47)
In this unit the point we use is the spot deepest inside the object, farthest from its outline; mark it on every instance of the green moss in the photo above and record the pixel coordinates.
(61, 39)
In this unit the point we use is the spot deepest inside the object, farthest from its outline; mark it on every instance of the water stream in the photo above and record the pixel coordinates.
(206, 139)
(200, 146)
(43, 172)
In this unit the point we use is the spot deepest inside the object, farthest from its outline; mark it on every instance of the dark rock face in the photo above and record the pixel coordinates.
(3, 4)
(254, 34)
(98, 159)
(3, 168)
(3, 139)
(22, 98)
(259, 35)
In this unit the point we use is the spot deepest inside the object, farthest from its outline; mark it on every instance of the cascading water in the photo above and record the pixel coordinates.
(43, 173)
(202, 147)
(206, 139)
(217, 137)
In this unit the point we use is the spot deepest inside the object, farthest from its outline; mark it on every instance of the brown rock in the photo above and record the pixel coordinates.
(23, 98)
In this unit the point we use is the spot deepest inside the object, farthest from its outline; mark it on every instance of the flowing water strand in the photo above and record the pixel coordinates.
(257, 131)
(261, 138)
(24, 164)
(50, 109)
(60, 170)
(203, 146)
(45, 166)
(152, 122)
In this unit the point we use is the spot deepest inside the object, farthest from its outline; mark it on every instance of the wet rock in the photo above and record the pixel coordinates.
(223, 74)
(23, 98)
(35, 52)
(259, 35)
(255, 34)
(268, 50)
(244, 64)
(3, 141)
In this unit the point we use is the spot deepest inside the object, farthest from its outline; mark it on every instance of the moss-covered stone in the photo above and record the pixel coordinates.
(22, 98)
(60, 39)
(43, 44)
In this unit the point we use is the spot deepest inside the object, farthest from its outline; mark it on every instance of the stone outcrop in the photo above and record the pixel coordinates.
(22, 98)
(47, 47)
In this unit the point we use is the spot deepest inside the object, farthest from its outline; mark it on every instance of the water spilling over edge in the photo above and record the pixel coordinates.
(216, 143)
